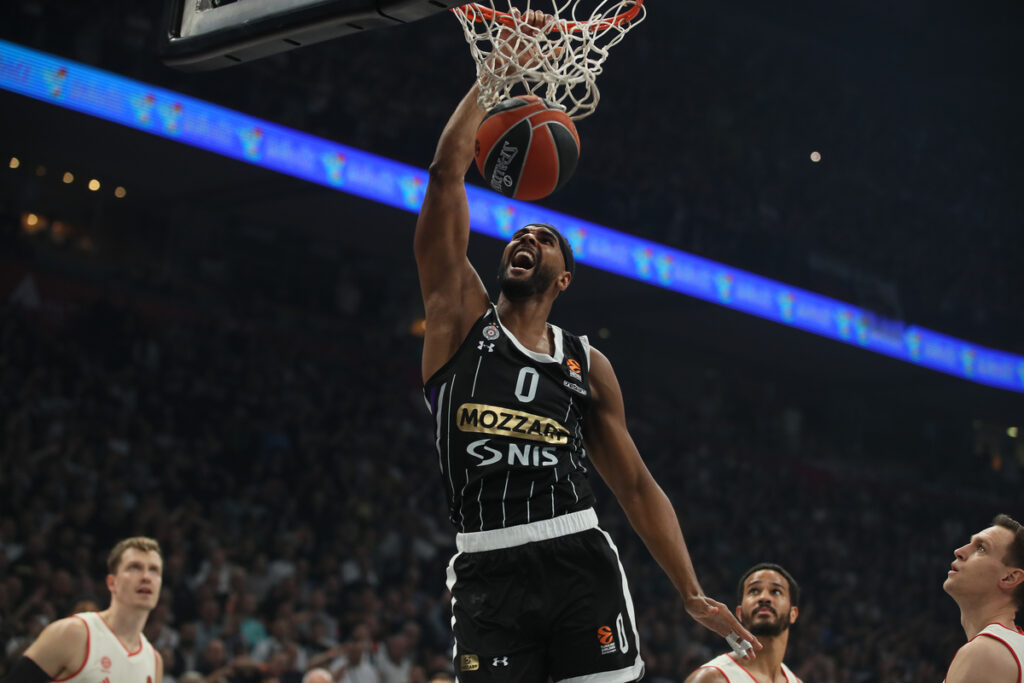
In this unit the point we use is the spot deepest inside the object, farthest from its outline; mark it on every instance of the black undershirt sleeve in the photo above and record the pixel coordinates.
(26, 671)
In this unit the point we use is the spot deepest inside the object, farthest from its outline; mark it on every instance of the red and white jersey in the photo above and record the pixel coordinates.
(1011, 638)
(734, 672)
(108, 660)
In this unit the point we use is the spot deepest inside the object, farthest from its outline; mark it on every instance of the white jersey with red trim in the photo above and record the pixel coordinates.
(108, 660)
(1011, 638)
(734, 672)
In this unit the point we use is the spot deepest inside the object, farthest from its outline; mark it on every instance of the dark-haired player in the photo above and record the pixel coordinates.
(107, 646)
(986, 580)
(767, 599)
(522, 410)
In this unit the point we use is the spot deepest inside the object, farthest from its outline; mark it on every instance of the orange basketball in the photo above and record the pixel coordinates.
(526, 147)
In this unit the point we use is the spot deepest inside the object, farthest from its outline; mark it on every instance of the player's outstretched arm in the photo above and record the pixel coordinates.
(983, 660)
(453, 295)
(60, 649)
(649, 510)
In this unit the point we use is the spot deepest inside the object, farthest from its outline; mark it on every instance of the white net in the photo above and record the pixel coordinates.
(559, 62)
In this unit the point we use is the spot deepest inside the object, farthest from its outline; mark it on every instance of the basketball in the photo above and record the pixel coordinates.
(526, 147)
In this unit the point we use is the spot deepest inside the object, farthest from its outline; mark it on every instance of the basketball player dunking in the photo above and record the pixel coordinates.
(522, 410)
(767, 597)
(986, 580)
(107, 646)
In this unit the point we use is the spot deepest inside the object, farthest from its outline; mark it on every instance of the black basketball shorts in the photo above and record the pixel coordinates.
(556, 608)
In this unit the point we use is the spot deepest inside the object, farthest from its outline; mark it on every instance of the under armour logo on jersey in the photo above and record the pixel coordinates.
(484, 345)
(499, 661)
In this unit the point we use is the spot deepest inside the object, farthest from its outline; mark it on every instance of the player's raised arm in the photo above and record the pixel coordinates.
(649, 510)
(453, 295)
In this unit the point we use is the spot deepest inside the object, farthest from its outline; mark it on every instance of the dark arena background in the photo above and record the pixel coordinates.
(226, 357)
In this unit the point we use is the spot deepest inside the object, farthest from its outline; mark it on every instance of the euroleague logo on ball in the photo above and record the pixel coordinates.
(526, 147)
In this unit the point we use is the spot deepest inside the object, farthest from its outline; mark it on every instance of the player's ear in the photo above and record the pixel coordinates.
(1012, 579)
(563, 280)
(794, 612)
(110, 582)
(738, 613)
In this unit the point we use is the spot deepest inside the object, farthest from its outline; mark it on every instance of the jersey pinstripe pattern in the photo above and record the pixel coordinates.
(508, 428)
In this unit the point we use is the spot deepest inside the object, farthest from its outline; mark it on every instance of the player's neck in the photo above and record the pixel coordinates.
(768, 664)
(527, 319)
(126, 623)
(974, 618)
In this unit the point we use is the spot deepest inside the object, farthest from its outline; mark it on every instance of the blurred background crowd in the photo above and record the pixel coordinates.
(247, 392)
(287, 472)
(702, 139)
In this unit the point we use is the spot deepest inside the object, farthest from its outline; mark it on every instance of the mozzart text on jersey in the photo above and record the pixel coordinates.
(516, 424)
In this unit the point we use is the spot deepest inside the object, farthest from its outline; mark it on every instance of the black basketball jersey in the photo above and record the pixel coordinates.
(508, 428)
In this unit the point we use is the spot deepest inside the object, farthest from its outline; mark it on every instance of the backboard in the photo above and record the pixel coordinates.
(212, 34)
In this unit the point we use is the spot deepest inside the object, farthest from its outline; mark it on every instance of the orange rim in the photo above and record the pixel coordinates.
(478, 12)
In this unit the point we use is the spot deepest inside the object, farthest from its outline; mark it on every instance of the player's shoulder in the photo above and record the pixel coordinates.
(984, 658)
(707, 674)
(599, 362)
(62, 647)
(68, 627)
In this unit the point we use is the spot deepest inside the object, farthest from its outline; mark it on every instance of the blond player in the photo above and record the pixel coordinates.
(107, 646)
(986, 580)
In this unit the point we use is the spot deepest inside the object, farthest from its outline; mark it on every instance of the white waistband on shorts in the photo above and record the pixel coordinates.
(495, 539)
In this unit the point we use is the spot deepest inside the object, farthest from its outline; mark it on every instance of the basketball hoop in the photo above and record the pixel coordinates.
(559, 63)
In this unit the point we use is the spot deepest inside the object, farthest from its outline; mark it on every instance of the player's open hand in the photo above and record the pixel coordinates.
(715, 616)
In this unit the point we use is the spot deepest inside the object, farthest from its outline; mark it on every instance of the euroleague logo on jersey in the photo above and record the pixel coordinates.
(574, 368)
(105, 664)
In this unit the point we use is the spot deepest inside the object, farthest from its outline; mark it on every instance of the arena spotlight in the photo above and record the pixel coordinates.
(69, 177)
(815, 156)
(120, 192)
(15, 162)
(94, 184)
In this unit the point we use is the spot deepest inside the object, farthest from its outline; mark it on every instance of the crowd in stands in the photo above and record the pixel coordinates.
(288, 473)
(709, 114)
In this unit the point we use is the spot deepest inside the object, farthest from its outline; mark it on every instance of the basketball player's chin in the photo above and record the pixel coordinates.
(146, 600)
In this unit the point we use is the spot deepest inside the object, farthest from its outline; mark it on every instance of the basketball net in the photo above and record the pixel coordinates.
(559, 63)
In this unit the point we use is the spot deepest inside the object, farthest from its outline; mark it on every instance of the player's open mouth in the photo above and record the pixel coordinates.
(765, 610)
(522, 261)
(145, 591)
